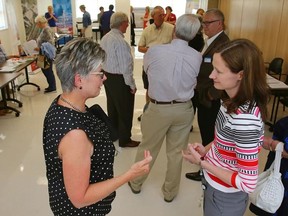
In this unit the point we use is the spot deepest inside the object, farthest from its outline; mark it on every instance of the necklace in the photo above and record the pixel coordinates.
(70, 104)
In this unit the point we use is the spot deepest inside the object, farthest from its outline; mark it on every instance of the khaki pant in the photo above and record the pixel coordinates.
(172, 121)
(88, 32)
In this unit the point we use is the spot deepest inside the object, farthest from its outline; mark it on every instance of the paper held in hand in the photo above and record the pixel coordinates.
(29, 48)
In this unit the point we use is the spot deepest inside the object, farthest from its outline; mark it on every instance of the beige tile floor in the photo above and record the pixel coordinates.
(23, 185)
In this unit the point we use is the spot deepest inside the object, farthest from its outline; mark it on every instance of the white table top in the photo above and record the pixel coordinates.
(275, 83)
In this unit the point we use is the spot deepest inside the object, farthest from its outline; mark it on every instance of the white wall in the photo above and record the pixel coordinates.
(43, 5)
(124, 6)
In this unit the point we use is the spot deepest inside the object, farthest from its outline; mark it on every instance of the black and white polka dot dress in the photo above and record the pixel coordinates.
(59, 121)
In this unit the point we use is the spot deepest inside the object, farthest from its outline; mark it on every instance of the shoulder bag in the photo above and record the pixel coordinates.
(42, 61)
(269, 191)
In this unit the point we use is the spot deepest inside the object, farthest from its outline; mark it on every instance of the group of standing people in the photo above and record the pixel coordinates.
(227, 109)
(148, 19)
(226, 80)
(171, 69)
(103, 18)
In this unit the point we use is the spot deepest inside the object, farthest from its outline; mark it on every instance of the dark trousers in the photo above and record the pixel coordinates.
(105, 31)
(145, 79)
(49, 74)
(101, 32)
(132, 36)
(195, 102)
(120, 106)
(206, 119)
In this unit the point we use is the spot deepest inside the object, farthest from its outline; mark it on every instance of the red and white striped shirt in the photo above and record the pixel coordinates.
(236, 145)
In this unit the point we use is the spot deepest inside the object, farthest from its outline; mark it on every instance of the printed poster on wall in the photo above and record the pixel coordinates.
(63, 11)
(30, 11)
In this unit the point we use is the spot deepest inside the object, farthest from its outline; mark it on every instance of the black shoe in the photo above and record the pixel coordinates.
(139, 118)
(131, 144)
(49, 91)
(133, 191)
(194, 176)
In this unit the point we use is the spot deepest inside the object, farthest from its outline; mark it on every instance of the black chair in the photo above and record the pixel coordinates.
(284, 100)
(275, 67)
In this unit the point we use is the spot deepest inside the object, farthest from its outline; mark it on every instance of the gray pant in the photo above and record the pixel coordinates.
(218, 203)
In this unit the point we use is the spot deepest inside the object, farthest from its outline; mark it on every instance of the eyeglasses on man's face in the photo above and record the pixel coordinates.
(207, 23)
(99, 73)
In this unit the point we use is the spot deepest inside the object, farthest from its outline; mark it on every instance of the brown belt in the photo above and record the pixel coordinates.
(168, 102)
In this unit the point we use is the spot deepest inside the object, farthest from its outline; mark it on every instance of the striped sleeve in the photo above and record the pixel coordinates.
(247, 129)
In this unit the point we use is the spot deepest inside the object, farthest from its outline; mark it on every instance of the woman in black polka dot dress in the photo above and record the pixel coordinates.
(79, 153)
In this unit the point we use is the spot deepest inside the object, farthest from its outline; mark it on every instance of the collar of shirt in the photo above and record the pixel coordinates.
(176, 41)
(210, 40)
(117, 31)
(159, 28)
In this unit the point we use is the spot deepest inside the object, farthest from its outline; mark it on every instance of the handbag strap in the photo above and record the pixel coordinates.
(277, 161)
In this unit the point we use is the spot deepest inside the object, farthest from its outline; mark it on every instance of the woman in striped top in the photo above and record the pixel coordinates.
(230, 162)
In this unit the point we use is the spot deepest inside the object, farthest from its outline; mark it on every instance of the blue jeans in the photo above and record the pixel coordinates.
(49, 74)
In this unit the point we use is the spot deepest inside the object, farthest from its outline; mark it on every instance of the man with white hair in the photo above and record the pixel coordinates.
(172, 71)
(159, 32)
(120, 85)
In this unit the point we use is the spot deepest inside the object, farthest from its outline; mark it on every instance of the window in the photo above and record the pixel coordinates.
(3, 17)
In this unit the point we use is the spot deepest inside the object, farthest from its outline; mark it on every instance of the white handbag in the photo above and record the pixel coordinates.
(269, 191)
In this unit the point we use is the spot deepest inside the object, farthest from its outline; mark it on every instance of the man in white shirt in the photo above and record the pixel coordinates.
(172, 71)
(120, 85)
(159, 32)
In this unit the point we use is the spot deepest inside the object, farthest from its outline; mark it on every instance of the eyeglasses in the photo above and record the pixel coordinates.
(206, 23)
(100, 73)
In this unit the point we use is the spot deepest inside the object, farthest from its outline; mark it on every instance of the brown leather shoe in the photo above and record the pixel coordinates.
(131, 144)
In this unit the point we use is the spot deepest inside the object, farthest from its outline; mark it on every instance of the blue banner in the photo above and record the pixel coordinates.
(63, 11)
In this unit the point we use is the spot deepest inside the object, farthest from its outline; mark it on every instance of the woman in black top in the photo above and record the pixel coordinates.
(79, 153)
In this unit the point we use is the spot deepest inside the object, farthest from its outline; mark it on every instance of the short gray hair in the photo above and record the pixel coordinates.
(117, 19)
(40, 19)
(78, 56)
(187, 26)
(155, 9)
(218, 13)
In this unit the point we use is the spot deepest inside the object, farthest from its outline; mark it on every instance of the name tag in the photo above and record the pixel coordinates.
(208, 60)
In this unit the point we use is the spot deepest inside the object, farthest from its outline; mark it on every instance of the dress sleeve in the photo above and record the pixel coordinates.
(249, 135)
